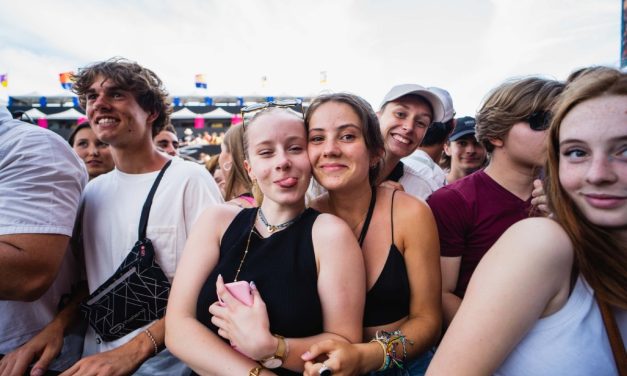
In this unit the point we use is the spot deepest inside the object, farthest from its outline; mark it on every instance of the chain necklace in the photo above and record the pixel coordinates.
(269, 227)
(272, 228)
(252, 228)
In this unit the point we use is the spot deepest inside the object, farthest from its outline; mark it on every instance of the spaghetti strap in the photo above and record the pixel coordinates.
(364, 230)
(392, 214)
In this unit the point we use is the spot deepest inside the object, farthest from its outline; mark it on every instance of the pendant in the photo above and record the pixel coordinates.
(271, 228)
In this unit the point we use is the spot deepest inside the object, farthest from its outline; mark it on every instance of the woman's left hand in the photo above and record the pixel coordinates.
(247, 327)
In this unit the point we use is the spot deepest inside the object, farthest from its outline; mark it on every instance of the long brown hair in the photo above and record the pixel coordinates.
(600, 255)
(237, 177)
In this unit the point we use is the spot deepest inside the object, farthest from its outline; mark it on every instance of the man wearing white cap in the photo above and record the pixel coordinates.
(424, 160)
(406, 113)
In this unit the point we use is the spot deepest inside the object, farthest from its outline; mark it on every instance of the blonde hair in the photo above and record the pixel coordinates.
(600, 255)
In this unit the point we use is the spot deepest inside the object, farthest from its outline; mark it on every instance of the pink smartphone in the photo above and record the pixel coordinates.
(241, 291)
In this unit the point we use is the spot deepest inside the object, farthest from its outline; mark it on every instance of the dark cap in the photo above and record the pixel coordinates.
(463, 126)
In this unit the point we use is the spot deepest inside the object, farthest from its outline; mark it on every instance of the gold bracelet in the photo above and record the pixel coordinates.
(385, 354)
(152, 339)
(255, 371)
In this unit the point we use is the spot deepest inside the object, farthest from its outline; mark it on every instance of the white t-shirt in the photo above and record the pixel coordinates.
(422, 165)
(571, 341)
(41, 180)
(414, 183)
(113, 204)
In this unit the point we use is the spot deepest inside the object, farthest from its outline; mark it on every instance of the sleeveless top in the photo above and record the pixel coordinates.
(283, 267)
(388, 299)
(571, 341)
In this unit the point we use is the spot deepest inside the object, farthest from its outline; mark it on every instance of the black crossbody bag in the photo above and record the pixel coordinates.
(137, 293)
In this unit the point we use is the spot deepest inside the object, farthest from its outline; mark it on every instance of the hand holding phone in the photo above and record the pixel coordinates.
(241, 291)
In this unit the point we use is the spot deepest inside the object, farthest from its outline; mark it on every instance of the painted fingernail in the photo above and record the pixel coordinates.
(252, 285)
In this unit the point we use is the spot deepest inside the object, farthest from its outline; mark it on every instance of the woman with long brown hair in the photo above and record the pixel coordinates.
(530, 307)
(237, 185)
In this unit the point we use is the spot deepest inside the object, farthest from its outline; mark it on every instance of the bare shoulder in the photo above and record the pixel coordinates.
(537, 244)
(217, 216)
(407, 209)
(329, 225)
(540, 235)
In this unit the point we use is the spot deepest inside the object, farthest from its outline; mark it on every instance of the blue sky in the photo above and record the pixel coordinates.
(365, 46)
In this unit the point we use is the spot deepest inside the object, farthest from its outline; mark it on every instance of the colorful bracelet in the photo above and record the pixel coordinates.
(388, 341)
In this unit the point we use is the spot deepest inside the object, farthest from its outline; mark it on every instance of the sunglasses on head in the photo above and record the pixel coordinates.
(539, 120)
(282, 103)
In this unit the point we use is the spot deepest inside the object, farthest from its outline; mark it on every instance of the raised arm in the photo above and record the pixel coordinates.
(524, 276)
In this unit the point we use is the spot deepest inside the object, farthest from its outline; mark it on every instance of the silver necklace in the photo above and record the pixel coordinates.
(273, 228)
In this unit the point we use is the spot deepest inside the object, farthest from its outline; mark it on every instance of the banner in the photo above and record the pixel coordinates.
(65, 79)
(200, 81)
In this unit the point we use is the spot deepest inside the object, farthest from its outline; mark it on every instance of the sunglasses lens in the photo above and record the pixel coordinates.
(539, 121)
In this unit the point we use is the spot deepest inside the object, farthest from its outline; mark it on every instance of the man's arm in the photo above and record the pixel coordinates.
(29, 264)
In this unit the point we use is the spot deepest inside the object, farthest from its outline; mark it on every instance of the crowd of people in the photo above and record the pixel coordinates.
(326, 239)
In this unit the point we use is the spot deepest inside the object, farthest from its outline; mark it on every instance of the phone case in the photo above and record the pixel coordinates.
(241, 291)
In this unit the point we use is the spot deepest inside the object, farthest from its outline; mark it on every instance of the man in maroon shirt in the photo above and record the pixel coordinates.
(473, 212)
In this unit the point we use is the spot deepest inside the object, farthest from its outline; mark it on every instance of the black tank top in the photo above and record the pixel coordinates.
(283, 267)
(388, 299)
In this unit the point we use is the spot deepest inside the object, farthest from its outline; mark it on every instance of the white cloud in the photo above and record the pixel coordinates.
(366, 46)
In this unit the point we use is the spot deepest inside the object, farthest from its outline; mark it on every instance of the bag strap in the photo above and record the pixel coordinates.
(613, 334)
(143, 221)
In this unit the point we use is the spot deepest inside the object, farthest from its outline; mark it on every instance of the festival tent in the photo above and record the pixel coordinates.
(218, 113)
(70, 114)
(35, 113)
(184, 113)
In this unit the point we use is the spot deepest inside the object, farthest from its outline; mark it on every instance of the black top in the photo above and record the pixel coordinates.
(283, 267)
(388, 299)
(397, 172)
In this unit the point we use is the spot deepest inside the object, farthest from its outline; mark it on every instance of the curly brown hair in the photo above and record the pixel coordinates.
(146, 87)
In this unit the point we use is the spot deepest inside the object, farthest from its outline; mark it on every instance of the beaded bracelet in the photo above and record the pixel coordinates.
(152, 339)
(388, 341)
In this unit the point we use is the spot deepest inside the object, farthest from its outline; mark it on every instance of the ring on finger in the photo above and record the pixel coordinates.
(325, 370)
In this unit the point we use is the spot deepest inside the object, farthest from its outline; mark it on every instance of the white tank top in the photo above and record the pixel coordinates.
(571, 341)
